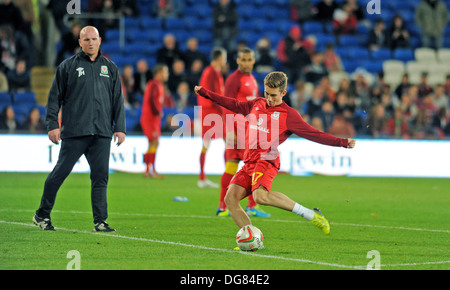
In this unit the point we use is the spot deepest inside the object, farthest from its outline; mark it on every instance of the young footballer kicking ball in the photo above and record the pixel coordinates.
(271, 122)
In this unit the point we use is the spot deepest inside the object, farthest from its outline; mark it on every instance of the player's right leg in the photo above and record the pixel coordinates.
(234, 195)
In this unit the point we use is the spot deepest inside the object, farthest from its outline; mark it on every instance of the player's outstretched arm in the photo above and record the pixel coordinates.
(229, 103)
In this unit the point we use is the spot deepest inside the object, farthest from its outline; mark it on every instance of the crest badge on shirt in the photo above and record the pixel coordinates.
(104, 71)
(275, 115)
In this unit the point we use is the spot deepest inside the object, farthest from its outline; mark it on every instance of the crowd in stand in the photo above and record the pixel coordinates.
(357, 107)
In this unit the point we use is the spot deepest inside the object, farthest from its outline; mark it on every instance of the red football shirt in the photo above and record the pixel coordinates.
(212, 80)
(152, 104)
(268, 127)
(243, 87)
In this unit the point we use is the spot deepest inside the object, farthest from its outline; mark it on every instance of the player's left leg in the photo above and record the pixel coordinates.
(280, 200)
(97, 155)
(149, 159)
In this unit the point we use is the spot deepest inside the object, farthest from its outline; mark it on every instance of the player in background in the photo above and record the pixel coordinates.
(270, 122)
(152, 112)
(212, 79)
(242, 85)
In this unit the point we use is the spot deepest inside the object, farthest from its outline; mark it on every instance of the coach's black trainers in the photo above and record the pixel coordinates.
(44, 223)
(103, 227)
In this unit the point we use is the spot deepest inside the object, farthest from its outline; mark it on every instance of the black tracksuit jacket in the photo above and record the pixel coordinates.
(90, 96)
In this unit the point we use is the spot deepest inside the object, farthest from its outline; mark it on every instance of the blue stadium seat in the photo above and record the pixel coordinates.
(111, 47)
(381, 54)
(373, 67)
(313, 27)
(131, 23)
(5, 98)
(403, 54)
(26, 98)
(150, 23)
(359, 53)
(348, 40)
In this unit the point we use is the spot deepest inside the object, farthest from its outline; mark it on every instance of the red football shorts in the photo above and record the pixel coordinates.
(253, 175)
(212, 123)
(152, 129)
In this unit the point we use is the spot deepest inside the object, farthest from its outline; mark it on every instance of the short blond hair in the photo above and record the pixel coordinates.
(276, 79)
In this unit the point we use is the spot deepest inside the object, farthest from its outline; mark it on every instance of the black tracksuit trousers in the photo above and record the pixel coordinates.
(97, 152)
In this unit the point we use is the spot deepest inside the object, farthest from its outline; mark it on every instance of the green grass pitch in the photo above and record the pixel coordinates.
(404, 219)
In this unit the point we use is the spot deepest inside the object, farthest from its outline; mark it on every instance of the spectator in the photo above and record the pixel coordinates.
(10, 14)
(431, 16)
(409, 108)
(328, 91)
(447, 87)
(141, 77)
(441, 122)
(331, 59)
(386, 102)
(69, 42)
(8, 121)
(403, 86)
(356, 9)
(19, 79)
(377, 122)
(316, 70)
(28, 12)
(440, 99)
(341, 127)
(314, 104)
(377, 36)
(3, 82)
(325, 10)
(341, 103)
(177, 76)
(184, 97)
(302, 11)
(295, 54)
(398, 35)
(109, 21)
(169, 52)
(423, 87)
(192, 53)
(194, 74)
(397, 126)
(14, 46)
(34, 123)
(326, 114)
(58, 10)
(361, 90)
(265, 56)
(127, 78)
(344, 21)
(316, 122)
(423, 126)
(127, 8)
(298, 97)
(225, 21)
(165, 9)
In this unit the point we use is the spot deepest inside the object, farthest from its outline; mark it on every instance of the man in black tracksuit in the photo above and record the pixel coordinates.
(87, 88)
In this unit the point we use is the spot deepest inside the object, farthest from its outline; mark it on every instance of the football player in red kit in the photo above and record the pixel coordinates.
(211, 113)
(270, 122)
(242, 85)
(151, 116)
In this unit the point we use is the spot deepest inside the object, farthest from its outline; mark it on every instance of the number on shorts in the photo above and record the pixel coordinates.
(256, 176)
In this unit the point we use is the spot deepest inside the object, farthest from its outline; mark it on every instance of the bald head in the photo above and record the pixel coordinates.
(90, 41)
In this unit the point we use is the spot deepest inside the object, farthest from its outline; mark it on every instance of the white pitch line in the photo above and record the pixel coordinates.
(112, 235)
(266, 220)
(223, 250)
